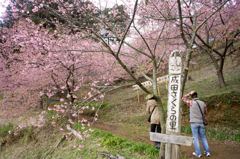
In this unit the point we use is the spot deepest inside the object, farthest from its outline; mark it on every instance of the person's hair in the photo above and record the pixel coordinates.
(153, 98)
(194, 95)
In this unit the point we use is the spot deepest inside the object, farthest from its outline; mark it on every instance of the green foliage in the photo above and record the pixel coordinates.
(51, 114)
(78, 126)
(186, 129)
(4, 129)
(117, 143)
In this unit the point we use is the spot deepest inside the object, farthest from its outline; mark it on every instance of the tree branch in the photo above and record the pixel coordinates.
(129, 25)
(145, 42)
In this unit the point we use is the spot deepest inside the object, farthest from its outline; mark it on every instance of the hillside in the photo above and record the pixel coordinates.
(127, 116)
(122, 128)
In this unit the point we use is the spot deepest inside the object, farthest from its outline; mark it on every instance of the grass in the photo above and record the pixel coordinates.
(27, 147)
(79, 127)
(99, 143)
(27, 135)
(5, 129)
(92, 104)
(223, 104)
(206, 83)
(91, 107)
(218, 133)
(223, 134)
(228, 98)
(126, 147)
(53, 116)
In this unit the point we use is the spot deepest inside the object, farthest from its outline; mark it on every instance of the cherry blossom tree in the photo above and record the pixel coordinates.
(111, 24)
(218, 36)
(141, 39)
(188, 19)
(195, 19)
(51, 63)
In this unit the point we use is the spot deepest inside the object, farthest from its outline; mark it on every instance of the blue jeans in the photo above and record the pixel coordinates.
(198, 132)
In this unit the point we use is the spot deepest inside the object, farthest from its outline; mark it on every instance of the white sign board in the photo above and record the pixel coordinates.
(174, 90)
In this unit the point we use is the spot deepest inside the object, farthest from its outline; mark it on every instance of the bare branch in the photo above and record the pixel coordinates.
(144, 40)
(219, 8)
(159, 36)
(160, 59)
(129, 25)
(181, 23)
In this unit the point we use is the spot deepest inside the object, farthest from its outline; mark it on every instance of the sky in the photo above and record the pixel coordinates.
(129, 4)
(106, 3)
(3, 5)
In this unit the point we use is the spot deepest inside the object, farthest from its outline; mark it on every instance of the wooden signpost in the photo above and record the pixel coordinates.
(173, 139)
(174, 92)
(173, 126)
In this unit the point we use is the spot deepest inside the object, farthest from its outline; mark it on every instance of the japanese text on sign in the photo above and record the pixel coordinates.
(174, 90)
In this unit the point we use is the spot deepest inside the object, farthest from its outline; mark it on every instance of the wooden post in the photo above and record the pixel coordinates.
(138, 96)
(172, 139)
(173, 125)
(159, 91)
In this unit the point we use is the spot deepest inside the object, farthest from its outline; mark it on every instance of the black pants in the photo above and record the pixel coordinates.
(156, 128)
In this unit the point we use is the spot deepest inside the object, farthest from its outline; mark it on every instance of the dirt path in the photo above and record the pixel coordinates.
(220, 149)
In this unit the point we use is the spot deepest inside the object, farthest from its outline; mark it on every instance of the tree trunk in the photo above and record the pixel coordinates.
(161, 110)
(186, 68)
(221, 80)
(219, 69)
(163, 127)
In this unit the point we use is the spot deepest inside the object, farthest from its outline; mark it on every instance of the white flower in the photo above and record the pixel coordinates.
(74, 114)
